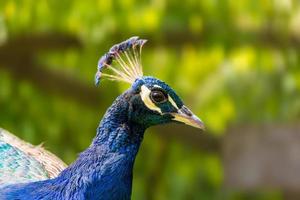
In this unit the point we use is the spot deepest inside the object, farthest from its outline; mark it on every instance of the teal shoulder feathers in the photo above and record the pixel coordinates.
(22, 162)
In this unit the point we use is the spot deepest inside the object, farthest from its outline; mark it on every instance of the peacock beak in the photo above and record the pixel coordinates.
(186, 116)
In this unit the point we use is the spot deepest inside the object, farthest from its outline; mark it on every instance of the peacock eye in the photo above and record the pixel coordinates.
(158, 96)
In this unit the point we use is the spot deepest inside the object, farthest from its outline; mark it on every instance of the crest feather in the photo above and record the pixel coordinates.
(128, 66)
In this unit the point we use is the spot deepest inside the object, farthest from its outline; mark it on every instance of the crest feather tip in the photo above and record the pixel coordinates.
(97, 78)
(128, 60)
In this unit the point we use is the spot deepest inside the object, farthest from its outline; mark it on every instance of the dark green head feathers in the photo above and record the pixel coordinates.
(151, 100)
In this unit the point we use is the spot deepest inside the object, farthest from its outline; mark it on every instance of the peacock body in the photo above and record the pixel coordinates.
(104, 170)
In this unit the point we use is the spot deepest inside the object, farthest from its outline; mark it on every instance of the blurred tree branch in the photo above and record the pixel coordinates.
(233, 37)
(18, 57)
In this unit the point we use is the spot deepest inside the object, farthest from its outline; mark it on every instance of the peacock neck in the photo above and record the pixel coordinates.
(117, 131)
(104, 170)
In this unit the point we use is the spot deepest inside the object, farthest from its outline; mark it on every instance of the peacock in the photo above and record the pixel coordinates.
(104, 170)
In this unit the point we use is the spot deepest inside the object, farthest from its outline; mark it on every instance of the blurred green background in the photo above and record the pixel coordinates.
(233, 62)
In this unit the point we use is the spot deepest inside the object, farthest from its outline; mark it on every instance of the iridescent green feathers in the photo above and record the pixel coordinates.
(17, 167)
(23, 162)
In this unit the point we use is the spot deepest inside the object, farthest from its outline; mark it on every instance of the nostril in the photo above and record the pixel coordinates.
(186, 111)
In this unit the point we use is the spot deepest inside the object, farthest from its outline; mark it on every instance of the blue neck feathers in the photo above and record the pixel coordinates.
(104, 170)
(117, 131)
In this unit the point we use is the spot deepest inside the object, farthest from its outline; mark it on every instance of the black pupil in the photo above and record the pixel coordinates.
(158, 96)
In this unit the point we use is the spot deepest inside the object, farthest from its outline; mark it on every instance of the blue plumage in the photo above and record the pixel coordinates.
(104, 170)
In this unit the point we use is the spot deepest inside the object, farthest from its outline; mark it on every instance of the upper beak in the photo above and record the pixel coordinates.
(185, 116)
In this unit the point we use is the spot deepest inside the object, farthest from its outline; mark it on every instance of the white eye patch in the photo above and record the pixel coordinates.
(157, 86)
(172, 102)
(145, 95)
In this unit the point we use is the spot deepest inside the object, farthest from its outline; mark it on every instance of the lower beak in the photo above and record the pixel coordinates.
(185, 116)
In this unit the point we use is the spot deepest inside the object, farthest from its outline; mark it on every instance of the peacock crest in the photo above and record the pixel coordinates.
(123, 60)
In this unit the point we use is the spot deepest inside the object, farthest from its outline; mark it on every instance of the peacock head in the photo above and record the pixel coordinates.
(151, 101)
